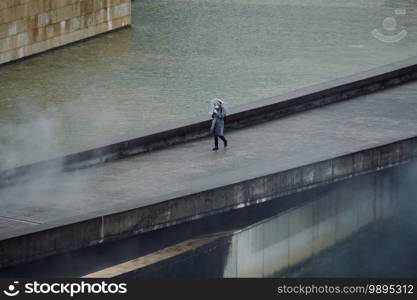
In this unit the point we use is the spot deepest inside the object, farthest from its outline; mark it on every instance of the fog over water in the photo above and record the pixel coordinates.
(177, 55)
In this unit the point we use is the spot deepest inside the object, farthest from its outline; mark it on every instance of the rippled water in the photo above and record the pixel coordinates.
(177, 55)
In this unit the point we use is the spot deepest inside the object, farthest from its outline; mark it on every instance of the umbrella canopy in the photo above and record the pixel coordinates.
(211, 103)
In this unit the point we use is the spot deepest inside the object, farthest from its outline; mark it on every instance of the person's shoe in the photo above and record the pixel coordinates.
(215, 148)
(225, 144)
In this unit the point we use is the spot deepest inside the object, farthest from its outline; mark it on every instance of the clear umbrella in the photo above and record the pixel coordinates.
(211, 104)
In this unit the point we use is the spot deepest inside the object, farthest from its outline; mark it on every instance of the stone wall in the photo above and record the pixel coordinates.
(31, 26)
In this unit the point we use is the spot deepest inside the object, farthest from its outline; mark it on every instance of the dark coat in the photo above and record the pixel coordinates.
(217, 125)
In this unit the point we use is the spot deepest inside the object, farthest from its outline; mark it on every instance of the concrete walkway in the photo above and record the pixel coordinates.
(149, 178)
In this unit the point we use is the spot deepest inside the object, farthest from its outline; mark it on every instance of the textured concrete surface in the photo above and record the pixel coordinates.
(155, 257)
(277, 145)
(182, 131)
(31, 26)
(270, 248)
(190, 168)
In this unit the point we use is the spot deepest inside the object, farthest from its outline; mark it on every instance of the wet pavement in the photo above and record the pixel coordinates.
(293, 141)
(177, 55)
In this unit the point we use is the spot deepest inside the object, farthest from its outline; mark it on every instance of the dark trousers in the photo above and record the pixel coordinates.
(216, 140)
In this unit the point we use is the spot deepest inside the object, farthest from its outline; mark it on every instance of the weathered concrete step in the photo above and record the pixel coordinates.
(168, 253)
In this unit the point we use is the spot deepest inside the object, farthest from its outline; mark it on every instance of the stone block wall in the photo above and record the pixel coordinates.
(31, 26)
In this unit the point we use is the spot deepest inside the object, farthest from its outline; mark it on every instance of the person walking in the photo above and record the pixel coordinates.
(217, 125)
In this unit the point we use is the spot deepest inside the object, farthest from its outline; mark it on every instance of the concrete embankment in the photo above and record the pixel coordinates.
(244, 115)
(328, 217)
(178, 184)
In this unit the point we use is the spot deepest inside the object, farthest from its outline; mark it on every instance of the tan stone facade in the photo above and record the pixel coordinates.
(32, 26)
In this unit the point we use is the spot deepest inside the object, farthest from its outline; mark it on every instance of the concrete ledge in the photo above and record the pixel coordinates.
(56, 237)
(244, 115)
(181, 252)
(271, 247)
